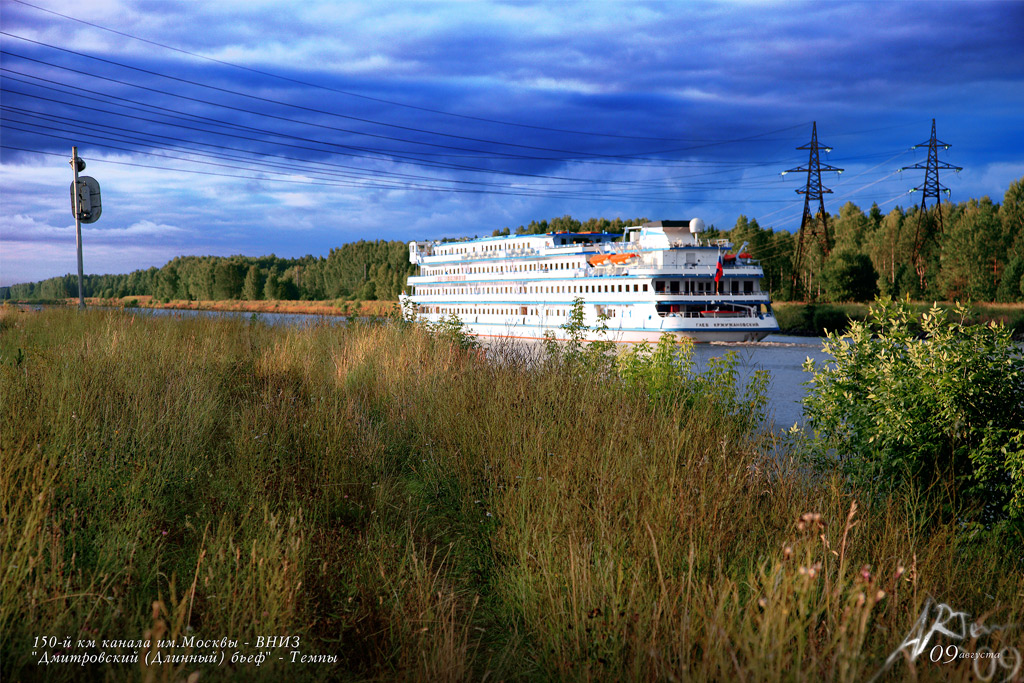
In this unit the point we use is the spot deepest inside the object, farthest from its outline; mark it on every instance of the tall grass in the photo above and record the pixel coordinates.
(424, 513)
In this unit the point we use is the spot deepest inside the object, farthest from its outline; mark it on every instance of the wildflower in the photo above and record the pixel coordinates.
(810, 520)
(811, 571)
(787, 551)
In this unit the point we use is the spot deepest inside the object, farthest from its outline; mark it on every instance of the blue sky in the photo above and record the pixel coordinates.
(249, 127)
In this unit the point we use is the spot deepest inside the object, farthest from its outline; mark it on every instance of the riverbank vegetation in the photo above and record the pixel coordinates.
(817, 320)
(938, 411)
(395, 498)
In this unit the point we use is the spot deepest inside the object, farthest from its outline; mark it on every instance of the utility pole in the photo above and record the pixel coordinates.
(85, 204)
(930, 188)
(813, 191)
(75, 162)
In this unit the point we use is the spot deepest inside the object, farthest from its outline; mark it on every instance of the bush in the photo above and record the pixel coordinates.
(826, 319)
(667, 375)
(941, 414)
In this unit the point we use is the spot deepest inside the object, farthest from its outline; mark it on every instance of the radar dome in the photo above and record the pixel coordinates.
(696, 225)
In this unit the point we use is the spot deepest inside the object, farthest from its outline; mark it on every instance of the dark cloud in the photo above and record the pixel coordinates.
(620, 108)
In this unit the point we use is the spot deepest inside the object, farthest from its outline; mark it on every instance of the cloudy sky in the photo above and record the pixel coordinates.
(260, 126)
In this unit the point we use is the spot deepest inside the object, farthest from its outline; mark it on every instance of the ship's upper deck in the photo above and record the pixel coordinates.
(651, 236)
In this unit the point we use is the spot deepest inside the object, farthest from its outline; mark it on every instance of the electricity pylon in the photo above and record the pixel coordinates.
(930, 188)
(813, 190)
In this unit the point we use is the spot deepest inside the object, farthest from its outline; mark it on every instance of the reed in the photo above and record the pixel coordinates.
(421, 512)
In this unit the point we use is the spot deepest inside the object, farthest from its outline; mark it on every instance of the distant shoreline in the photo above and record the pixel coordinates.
(338, 307)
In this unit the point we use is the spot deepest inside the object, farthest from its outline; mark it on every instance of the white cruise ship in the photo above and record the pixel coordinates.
(657, 278)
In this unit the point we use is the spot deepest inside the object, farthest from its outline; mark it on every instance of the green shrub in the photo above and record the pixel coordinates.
(573, 352)
(667, 375)
(942, 414)
(813, 318)
(452, 329)
(827, 319)
(789, 317)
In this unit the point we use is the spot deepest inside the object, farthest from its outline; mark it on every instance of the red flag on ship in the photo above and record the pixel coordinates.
(718, 269)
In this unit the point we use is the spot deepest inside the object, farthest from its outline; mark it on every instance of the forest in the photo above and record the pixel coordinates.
(968, 250)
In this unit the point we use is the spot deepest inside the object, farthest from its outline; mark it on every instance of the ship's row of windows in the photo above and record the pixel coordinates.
(487, 310)
(515, 268)
(537, 289)
(727, 286)
(483, 247)
(501, 246)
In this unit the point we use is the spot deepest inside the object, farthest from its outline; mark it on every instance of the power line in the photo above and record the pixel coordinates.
(191, 118)
(377, 99)
(390, 155)
(313, 110)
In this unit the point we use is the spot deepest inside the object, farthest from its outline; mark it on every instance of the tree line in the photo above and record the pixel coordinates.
(969, 250)
(363, 270)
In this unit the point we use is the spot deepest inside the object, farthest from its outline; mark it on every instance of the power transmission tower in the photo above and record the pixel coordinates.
(930, 188)
(813, 190)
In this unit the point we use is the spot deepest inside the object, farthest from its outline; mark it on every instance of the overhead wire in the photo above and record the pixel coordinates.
(163, 110)
(390, 156)
(360, 95)
(323, 112)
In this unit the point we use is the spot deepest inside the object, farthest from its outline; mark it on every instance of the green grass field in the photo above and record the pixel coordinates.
(416, 511)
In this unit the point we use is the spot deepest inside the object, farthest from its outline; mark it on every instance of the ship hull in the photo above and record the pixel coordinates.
(699, 331)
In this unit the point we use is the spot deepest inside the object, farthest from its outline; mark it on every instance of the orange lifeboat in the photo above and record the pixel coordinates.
(598, 259)
(619, 259)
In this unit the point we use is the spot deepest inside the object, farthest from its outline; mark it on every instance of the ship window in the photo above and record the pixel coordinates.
(673, 287)
(620, 288)
(748, 286)
(636, 288)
